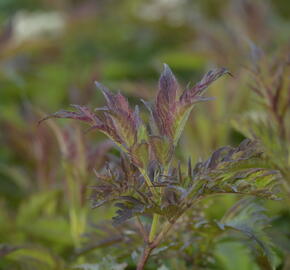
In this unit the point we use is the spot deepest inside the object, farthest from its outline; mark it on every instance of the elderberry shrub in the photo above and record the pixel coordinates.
(148, 180)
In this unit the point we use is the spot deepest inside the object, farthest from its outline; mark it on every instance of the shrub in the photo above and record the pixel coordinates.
(149, 184)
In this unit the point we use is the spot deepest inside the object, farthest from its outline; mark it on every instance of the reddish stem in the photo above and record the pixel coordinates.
(144, 257)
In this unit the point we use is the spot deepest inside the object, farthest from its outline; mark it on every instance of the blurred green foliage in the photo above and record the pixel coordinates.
(50, 54)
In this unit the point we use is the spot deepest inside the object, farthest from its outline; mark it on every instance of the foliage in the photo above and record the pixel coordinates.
(269, 124)
(145, 182)
(50, 54)
(271, 86)
(106, 264)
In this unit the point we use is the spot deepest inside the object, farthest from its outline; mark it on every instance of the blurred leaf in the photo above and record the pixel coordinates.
(234, 255)
(249, 218)
(107, 263)
(34, 258)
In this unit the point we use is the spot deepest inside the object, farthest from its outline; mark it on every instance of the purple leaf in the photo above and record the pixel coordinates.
(171, 111)
(82, 114)
(120, 118)
(165, 105)
(168, 87)
(190, 96)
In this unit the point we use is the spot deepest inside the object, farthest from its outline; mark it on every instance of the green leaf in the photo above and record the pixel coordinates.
(140, 154)
(233, 170)
(31, 258)
(181, 118)
(162, 149)
(233, 255)
(108, 263)
(248, 218)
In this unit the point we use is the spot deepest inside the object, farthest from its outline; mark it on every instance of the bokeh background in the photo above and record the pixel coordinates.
(51, 51)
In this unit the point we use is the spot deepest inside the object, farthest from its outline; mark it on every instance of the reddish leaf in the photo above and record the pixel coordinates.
(120, 118)
(168, 87)
(82, 114)
(171, 112)
(165, 104)
(192, 95)
(189, 98)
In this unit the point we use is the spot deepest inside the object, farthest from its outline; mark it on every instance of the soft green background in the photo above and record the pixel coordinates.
(122, 44)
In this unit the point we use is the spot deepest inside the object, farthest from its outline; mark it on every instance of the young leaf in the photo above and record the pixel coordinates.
(140, 155)
(190, 97)
(162, 149)
(171, 111)
(165, 105)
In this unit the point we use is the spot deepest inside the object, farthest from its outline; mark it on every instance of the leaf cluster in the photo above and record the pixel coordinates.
(144, 181)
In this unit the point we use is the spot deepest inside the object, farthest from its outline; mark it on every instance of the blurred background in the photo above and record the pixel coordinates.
(51, 51)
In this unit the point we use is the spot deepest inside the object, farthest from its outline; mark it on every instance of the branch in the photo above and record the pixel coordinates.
(142, 229)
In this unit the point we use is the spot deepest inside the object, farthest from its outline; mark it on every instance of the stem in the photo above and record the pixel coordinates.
(142, 230)
(153, 241)
(155, 221)
(156, 195)
(149, 248)
(163, 233)
(144, 258)
(154, 227)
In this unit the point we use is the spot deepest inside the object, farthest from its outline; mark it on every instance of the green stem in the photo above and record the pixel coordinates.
(154, 228)
(149, 184)
(154, 238)
(154, 191)
(155, 221)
